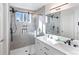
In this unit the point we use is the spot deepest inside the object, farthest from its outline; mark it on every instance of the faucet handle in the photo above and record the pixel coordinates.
(68, 42)
(65, 42)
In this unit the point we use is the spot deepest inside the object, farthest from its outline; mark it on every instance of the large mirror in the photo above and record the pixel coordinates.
(62, 23)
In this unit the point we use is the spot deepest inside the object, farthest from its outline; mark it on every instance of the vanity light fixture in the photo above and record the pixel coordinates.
(58, 6)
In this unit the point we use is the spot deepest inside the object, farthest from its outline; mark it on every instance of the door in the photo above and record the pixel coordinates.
(21, 30)
(1, 29)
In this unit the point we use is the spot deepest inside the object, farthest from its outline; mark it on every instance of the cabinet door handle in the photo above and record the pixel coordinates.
(46, 48)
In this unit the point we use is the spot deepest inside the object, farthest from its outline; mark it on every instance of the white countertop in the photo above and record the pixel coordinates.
(68, 50)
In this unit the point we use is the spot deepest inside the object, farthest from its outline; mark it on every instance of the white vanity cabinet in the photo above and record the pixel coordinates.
(44, 49)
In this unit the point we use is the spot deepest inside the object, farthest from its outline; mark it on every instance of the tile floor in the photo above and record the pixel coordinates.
(28, 50)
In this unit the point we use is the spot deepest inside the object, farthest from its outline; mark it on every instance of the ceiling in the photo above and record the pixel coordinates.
(30, 6)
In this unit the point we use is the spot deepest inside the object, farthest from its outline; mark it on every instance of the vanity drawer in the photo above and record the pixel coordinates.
(52, 51)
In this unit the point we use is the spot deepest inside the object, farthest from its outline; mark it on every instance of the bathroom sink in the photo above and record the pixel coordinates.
(60, 45)
(52, 41)
(51, 38)
(70, 49)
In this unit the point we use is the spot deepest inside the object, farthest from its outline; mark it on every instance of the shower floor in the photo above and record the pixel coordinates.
(28, 50)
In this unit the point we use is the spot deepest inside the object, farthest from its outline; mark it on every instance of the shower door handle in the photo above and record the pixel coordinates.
(11, 31)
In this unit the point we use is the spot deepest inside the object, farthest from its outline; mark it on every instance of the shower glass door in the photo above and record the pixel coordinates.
(20, 23)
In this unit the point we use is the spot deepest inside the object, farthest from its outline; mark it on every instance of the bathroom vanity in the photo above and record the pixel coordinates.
(46, 46)
(45, 49)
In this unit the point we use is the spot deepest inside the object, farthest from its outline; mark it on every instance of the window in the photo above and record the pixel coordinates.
(23, 17)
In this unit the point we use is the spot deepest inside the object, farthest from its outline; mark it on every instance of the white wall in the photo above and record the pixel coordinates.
(1, 22)
(6, 27)
(1, 28)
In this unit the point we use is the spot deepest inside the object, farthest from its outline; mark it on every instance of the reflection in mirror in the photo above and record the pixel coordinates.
(39, 25)
(53, 24)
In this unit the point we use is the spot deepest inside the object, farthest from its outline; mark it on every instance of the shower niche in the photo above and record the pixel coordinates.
(53, 23)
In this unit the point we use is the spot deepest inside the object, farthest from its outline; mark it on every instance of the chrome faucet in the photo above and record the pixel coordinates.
(68, 41)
